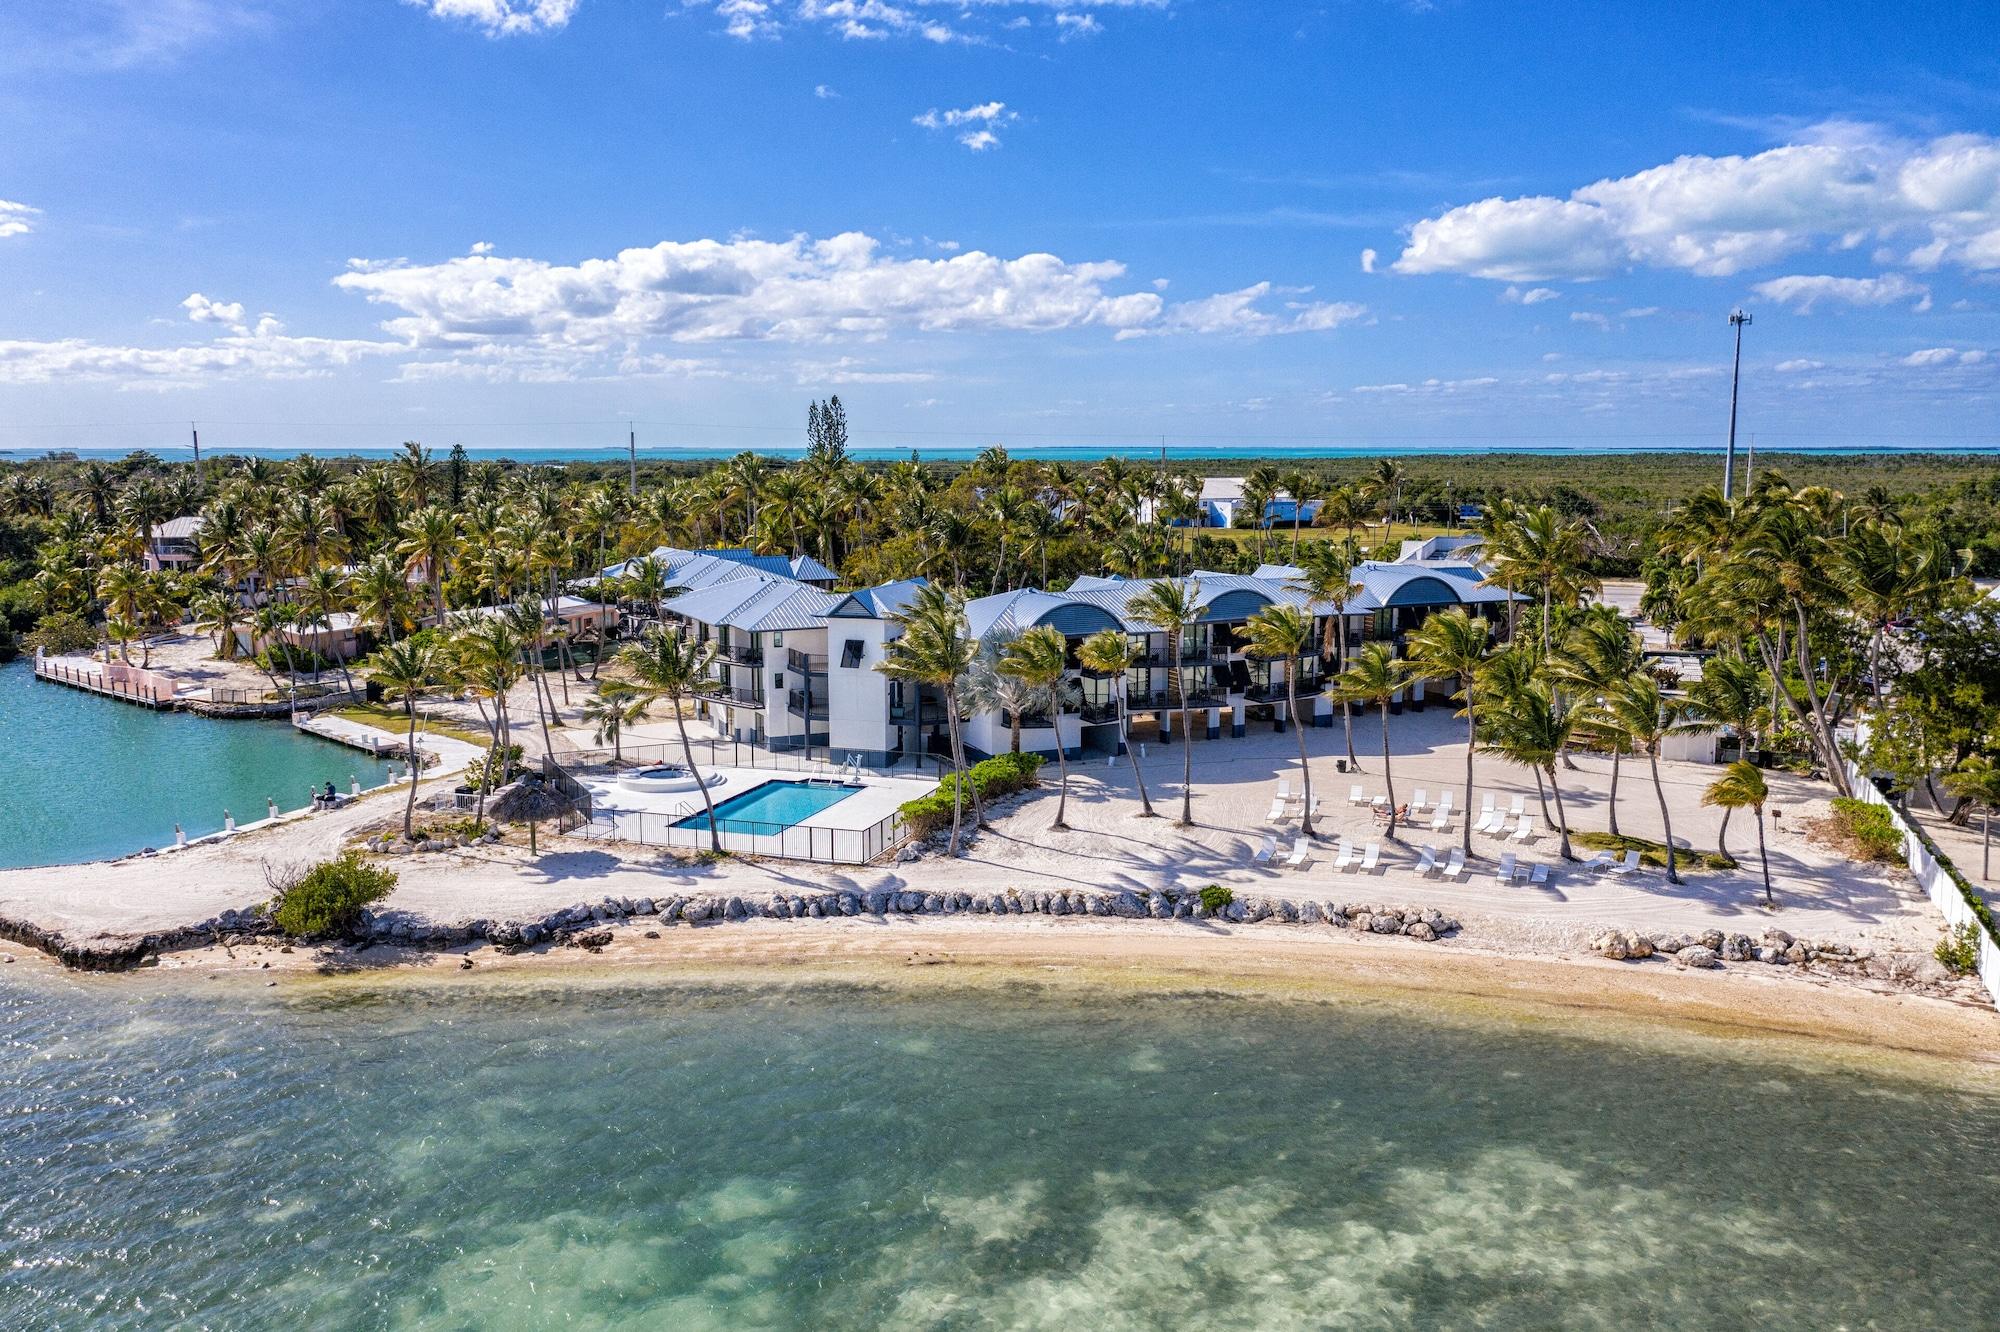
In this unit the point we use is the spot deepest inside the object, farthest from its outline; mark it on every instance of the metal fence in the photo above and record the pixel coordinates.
(688, 831)
(743, 754)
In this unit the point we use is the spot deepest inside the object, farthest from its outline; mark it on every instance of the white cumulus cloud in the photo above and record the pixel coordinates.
(940, 22)
(1931, 356)
(1241, 313)
(16, 219)
(1802, 292)
(1531, 296)
(205, 311)
(1929, 202)
(503, 18)
(976, 124)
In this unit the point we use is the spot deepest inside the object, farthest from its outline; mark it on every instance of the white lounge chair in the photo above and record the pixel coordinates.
(1505, 873)
(1419, 800)
(1627, 865)
(1518, 804)
(1486, 805)
(1541, 874)
(1491, 821)
(1356, 796)
(1602, 860)
(1427, 860)
(1301, 854)
(1442, 819)
(1526, 831)
(1456, 865)
(1266, 850)
(1284, 789)
(1280, 810)
(1371, 858)
(1346, 856)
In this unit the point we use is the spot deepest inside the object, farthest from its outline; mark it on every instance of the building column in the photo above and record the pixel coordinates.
(1215, 723)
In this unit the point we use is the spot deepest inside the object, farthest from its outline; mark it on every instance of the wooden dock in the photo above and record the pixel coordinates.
(148, 692)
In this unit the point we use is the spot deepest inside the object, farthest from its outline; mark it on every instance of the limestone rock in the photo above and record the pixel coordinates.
(1698, 955)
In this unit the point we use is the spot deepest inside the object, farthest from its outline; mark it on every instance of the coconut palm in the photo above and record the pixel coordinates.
(128, 598)
(1729, 693)
(610, 710)
(407, 671)
(1039, 659)
(1978, 780)
(1525, 724)
(1637, 712)
(1599, 653)
(1171, 605)
(1326, 577)
(486, 654)
(1109, 652)
(934, 650)
(429, 541)
(1281, 632)
(1375, 675)
(671, 666)
(1743, 785)
(1384, 486)
(1455, 643)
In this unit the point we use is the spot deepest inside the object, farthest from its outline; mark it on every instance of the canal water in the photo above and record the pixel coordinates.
(86, 778)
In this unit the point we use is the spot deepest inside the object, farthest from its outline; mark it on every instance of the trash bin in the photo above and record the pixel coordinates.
(1340, 765)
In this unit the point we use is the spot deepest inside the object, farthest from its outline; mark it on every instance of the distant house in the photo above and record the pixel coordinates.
(1221, 500)
(175, 545)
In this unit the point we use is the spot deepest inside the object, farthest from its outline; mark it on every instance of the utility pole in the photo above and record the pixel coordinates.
(1749, 461)
(632, 456)
(1737, 319)
(197, 447)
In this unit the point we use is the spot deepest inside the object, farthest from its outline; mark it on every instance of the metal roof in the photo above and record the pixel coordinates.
(757, 604)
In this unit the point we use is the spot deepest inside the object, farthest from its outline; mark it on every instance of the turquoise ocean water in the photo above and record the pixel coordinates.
(679, 1157)
(86, 778)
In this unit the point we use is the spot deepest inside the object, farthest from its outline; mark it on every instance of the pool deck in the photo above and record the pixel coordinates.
(651, 817)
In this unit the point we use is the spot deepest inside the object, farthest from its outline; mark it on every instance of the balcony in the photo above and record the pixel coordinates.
(738, 697)
(804, 663)
(740, 654)
(796, 704)
(908, 714)
(1096, 713)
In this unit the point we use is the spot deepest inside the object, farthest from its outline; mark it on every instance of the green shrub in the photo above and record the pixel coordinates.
(1215, 897)
(328, 898)
(1959, 949)
(494, 769)
(1001, 775)
(61, 633)
(1866, 831)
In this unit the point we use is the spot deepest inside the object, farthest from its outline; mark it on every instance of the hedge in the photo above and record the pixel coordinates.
(998, 776)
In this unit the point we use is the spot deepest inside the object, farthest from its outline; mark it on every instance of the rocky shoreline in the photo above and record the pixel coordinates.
(581, 924)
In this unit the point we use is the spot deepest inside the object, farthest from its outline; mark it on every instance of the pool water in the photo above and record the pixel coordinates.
(769, 807)
(88, 778)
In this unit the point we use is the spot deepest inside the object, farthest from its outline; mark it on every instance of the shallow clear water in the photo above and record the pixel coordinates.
(770, 807)
(86, 778)
(831, 1158)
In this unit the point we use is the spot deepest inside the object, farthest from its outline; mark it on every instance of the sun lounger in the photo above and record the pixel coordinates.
(1284, 789)
(1266, 850)
(1371, 858)
(1356, 796)
(1427, 860)
(1301, 854)
(1541, 874)
(1441, 819)
(1505, 873)
(1526, 831)
(1491, 821)
(1518, 804)
(1279, 811)
(1486, 805)
(1419, 800)
(1456, 865)
(1346, 856)
(1602, 860)
(1627, 865)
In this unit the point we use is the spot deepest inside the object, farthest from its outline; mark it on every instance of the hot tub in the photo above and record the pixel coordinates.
(664, 777)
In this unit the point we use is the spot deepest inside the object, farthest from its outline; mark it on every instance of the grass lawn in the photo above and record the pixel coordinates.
(1652, 853)
(386, 718)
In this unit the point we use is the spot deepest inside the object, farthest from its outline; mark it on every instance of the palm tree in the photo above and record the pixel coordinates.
(486, 653)
(1639, 713)
(1529, 727)
(1374, 676)
(610, 710)
(1730, 693)
(1109, 652)
(1882, 573)
(381, 596)
(128, 596)
(1385, 487)
(1171, 605)
(1743, 784)
(933, 649)
(1454, 643)
(1040, 660)
(1341, 507)
(1326, 577)
(407, 671)
(429, 540)
(1599, 654)
(1284, 632)
(217, 609)
(671, 666)
(1978, 780)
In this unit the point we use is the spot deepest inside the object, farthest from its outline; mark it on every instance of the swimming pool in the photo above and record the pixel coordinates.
(767, 808)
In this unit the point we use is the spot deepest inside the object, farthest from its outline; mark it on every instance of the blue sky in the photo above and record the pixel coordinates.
(526, 221)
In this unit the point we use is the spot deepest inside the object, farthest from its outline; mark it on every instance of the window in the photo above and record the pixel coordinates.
(850, 654)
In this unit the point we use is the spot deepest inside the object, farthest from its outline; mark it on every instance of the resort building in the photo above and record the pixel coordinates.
(1221, 501)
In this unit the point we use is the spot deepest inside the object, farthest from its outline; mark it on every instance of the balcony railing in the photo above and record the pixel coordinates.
(796, 704)
(740, 654)
(805, 663)
(1095, 713)
(738, 696)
